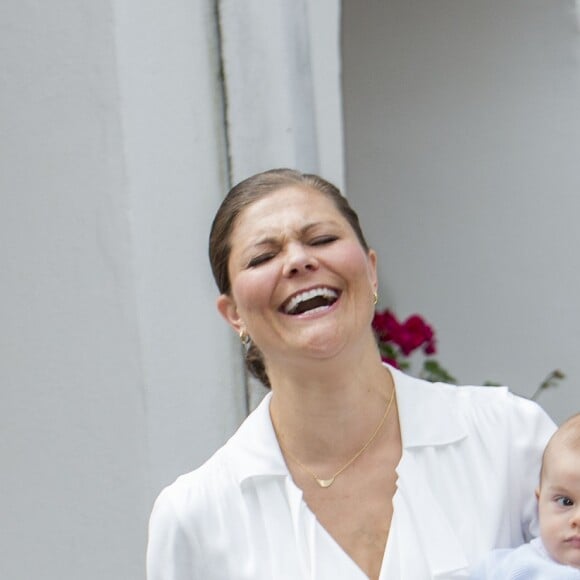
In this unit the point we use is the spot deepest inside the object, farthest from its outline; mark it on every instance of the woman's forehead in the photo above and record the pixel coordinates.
(295, 207)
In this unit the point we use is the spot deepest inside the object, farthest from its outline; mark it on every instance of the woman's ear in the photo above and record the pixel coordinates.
(227, 308)
(372, 255)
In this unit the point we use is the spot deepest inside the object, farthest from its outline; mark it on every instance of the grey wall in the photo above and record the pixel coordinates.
(112, 163)
(116, 372)
(462, 133)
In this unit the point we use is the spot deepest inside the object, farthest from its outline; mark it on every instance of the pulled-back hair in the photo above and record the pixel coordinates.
(245, 194)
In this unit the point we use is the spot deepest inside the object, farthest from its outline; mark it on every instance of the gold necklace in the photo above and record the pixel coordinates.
(324, 483)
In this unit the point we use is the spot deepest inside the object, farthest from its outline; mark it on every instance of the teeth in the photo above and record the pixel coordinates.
(322, 292)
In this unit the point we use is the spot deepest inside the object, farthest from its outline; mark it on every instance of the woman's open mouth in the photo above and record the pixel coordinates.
(313, 300)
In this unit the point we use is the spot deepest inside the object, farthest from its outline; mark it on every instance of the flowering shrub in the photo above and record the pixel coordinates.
(399, 340)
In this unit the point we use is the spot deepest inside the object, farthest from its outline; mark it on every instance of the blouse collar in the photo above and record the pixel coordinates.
(427, 416)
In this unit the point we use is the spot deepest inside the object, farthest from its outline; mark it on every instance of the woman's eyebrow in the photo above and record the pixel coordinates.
(269, 240)
(313, 225)
(265, 241)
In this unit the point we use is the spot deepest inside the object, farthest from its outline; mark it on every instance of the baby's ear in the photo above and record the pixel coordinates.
(537, 493)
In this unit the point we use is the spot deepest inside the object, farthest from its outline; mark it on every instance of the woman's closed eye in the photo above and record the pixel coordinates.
(267, 256)
(260, 259)
(322, 240)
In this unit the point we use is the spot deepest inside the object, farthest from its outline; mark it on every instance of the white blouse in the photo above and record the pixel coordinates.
(465, 485)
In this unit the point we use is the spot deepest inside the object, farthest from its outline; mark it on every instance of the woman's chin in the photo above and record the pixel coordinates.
(321, 345)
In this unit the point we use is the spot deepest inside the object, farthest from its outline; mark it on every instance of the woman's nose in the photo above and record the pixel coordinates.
(299, 260)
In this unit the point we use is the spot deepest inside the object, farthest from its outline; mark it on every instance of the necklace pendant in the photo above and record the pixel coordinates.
(325, 482)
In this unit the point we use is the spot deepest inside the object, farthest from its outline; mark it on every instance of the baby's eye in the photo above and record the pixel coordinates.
(261, 259)
(564, 501)
(321, 240)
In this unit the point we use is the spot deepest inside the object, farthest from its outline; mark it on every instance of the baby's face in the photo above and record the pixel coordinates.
(559, 506)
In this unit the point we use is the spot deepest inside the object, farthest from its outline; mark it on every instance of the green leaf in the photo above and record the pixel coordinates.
(552, 380)
(432, 371)
(491, 384)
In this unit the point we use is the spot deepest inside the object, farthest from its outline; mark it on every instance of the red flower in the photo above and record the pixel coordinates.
(415, 332)
(429, 348)
(397, 340)
(408, 336)
(385, 325)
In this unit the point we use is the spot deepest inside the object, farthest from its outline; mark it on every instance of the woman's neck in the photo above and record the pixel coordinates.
(327, 409)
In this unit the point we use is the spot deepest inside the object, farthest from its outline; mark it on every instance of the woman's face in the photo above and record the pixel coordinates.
(301, 283)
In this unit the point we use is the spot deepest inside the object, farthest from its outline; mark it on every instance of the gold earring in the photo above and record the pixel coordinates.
(375, 298)
(244, 337)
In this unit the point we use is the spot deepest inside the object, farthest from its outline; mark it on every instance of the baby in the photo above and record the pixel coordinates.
(556, 554)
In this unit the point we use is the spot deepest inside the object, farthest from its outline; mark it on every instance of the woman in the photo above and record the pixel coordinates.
(348, 469)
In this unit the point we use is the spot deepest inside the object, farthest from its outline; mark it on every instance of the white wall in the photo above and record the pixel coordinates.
(111, 351)
(282, 73)
(174, 139)
(462, 145)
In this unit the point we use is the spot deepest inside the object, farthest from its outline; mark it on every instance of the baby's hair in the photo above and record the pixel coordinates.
(567, 436)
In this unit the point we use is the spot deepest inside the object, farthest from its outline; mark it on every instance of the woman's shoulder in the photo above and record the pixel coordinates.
(489, 402)
(482, 399)
(219, 479)
(196, 508)
(429, 408)
(496, 407)
(485, 400)
(193, 491)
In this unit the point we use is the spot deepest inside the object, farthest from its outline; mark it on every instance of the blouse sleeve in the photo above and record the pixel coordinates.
(171, 545)
(529, 430)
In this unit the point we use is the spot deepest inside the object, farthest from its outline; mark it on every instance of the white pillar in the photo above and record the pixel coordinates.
(116, 372)
(282, 74)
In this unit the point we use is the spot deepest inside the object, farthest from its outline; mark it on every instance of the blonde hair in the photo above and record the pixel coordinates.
(566, 436)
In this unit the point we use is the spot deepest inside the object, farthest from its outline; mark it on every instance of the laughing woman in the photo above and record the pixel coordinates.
(348, 469)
